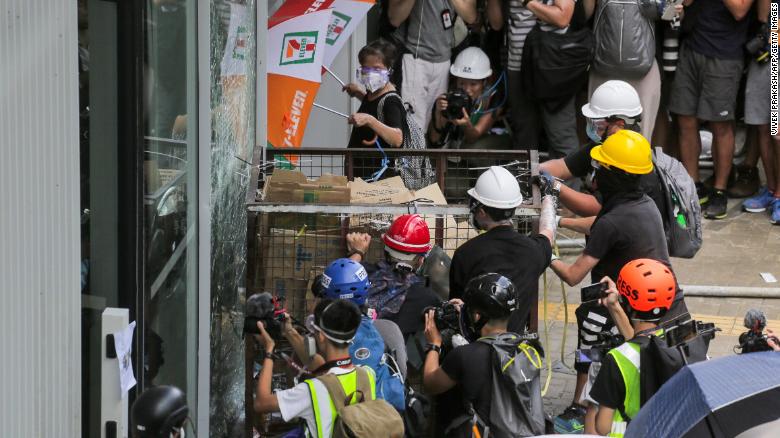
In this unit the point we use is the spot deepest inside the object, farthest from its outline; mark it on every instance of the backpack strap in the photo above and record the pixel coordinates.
(363, 384)
(335, 390)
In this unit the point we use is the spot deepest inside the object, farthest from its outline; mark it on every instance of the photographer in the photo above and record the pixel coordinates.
(488, 301)
(397, 292)
(647, 287)
(754, 340)
(335, 326)
(463, 118)
(345, 279)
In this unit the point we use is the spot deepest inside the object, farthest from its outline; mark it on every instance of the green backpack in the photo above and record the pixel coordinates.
(366, 418)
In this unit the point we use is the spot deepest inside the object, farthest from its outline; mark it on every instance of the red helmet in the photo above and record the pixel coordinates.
(408, 233)
(649, 286)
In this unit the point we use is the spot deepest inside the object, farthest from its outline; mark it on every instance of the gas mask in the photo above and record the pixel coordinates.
(373, 79)
(592, 128)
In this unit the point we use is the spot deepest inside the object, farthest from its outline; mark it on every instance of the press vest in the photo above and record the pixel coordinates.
(322, 405)
(627, 358)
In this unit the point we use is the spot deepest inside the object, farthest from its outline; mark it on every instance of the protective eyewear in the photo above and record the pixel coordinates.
(598, 165)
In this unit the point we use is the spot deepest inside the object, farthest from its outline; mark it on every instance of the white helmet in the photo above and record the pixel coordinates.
(471, 63)
(497, 188)
(613, 98)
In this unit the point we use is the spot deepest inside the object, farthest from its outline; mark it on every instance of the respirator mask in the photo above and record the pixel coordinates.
(593, 127)
(474, 205)
(372, 79)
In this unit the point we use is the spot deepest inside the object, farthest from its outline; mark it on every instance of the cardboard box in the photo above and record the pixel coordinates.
(293, 255)
(293, 186)
(386, 191)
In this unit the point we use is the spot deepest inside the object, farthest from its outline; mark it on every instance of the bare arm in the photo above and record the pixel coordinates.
(558, 14)
(738, 8)
(435, 379)
(615, 310)
(574, 273)
(580, 203)
(265, 400)
(604, 420)
(393, 136)
(579, 224)
(556, 168)
(590, 6)
(466, 9)
(495, 14)
(472, 133)
(763, 11)
(398, 11)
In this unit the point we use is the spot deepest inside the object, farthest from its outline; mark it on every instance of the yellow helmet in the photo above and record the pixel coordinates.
(625, 150)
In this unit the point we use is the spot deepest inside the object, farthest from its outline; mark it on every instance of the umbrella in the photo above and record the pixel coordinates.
(723, 397)
(346, 16)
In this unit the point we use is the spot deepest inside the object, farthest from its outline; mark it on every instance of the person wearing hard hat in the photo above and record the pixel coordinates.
(614, 105)
(501, 249)
(647, 287)
(397, 292)
(628, 226)
(463, 118)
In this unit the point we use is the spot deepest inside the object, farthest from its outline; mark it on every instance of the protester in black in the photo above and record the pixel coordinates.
(376, 60)
(501, 249)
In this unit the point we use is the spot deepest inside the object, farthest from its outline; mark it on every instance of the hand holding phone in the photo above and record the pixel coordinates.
(593, 292)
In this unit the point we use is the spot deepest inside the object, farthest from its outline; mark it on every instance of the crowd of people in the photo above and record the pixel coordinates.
(514, 75)
(641, 73)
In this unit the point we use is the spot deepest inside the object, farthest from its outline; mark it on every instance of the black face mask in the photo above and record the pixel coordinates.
(611, 183)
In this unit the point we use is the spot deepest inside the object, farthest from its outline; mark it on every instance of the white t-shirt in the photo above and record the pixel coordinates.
(296, 401)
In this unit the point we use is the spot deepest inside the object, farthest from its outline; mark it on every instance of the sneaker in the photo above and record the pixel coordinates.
(571, 421)
(760, 202)
(745, 184)
(703, 193)
(775, 219)
(717, 205)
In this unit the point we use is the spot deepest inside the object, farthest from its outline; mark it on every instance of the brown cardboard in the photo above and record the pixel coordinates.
(293, 254)
(386, 191)
(293, 186)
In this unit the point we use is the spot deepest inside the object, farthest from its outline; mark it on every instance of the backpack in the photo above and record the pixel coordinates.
(683, 212)
(516, 407)
(554, 65)
(366, 418)
(625, 38)
(415, 171)
(368, 349)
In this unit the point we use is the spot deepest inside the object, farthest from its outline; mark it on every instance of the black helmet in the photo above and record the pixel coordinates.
(158, 412)
(492, 295)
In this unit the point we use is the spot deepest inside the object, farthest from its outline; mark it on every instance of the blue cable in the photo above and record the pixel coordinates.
(385, 163)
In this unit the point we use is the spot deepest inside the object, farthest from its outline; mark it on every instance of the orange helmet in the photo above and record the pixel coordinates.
(649, 287)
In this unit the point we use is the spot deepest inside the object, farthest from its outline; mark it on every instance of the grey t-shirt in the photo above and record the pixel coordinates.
(423, 32)
(521, 21)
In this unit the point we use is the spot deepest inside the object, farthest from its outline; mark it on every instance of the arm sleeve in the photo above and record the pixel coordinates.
(603, 236)
(609, 389)
(578, 161)
(453, 363)
(295, 402)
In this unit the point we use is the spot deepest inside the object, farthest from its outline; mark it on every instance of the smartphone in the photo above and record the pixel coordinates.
(593, 292)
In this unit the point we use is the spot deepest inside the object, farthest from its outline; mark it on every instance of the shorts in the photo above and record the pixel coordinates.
(593, 372)
(705, 87)
(757, 94)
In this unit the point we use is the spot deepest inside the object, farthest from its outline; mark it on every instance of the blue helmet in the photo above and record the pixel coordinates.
(347, 280)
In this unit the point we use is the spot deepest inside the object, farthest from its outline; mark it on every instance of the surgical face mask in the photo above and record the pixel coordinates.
(595, 129)
(373, 79)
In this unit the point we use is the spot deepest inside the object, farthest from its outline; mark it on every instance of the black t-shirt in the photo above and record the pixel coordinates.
(579, 164)
(715, 32)
(394, 117)
(505, 251)
(470, 366)
(630, 230)
(410, 318)
(609, 389)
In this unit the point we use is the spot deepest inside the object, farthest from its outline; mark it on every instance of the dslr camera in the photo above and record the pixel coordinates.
(266, 308)
(457, 100)
(446, 316)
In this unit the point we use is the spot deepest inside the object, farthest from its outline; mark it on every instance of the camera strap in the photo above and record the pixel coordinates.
(338, 363)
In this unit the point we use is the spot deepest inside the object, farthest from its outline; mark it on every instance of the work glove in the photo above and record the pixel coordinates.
(548, 184)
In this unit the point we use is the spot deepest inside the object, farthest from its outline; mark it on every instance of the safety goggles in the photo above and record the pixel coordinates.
(599, 124)
(362, 71)
(598, 165)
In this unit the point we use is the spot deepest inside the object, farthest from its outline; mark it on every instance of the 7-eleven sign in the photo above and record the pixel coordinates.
(338, 22)
(298, 48)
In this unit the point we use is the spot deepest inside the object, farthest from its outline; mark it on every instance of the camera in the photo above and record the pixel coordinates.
(266, 308)
(446, 316)
(606, 341)
(681, 333)
(457, 100)
(758, 46)
(754, 339)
